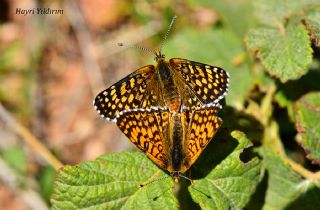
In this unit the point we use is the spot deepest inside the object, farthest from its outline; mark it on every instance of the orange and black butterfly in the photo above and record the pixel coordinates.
(175, 84)
(173, 141)
(168, 110)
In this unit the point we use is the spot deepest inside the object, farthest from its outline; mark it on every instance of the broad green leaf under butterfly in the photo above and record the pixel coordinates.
(231, 183)
(113, 182)
(286, 188)
(307, 111)
(285, 54)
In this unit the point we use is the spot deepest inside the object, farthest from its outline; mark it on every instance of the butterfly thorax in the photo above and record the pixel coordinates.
(169, 90)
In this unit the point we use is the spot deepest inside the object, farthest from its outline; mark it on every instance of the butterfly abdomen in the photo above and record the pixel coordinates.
(169, 89)
(177, 135)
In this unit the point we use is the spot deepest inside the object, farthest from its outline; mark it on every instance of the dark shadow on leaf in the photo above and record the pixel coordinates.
(237, 120)
(257, 199)
(308, 200)
(287, 128)
(185, 200)
(316, 51)
(293, 90)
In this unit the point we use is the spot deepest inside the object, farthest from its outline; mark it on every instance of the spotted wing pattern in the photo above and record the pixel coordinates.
(208, 83)
(146, 129)
(189, 100)
(203, 126)
(138, 90)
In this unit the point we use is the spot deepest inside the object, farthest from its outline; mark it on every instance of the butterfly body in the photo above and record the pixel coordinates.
(173, 141)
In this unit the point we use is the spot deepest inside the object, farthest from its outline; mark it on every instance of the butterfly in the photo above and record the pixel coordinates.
(173, 141)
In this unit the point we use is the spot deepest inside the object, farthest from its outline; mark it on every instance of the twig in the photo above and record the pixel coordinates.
(314, 177)
(29, 138)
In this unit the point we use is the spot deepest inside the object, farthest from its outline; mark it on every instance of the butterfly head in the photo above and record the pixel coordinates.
(158, 55)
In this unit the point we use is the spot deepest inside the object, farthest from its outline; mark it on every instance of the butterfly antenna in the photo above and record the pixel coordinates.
(168, 31)
(143, 49)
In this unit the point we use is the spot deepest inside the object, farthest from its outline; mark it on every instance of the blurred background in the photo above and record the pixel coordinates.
(52, 65)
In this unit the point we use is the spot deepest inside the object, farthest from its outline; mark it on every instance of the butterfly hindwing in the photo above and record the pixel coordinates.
(203, 126)
(208, 83)
(145, 129)
(138, 90)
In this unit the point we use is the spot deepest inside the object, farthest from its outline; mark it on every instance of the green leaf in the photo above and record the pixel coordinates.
(113, 182)
(308, 126)
(231, 183)
(218, 48)
(312, 19)
(274, 12)
(285, 187)
(285, 54)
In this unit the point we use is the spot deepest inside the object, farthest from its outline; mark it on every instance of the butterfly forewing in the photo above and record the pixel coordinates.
(208, 83)
(203, 126)
(137, 90)
(197, 84)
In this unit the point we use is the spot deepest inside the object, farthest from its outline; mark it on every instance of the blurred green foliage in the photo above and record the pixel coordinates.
(45, 180)
(16, 158)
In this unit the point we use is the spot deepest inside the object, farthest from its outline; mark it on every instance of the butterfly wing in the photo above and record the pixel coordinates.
(208, 83)
(138, 90)
(202, 127)
(189, 100)
(147, 129)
